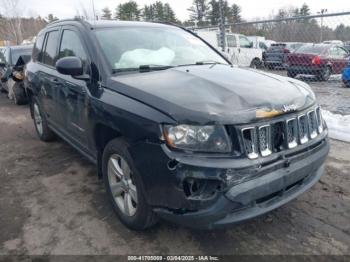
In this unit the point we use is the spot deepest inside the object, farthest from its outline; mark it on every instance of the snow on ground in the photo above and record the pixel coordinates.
(338, 125)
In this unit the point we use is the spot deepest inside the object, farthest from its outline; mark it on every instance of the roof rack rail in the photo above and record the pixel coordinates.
(167, 23)
(76, 19)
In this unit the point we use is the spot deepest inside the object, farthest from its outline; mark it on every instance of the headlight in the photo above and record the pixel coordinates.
(198, 138)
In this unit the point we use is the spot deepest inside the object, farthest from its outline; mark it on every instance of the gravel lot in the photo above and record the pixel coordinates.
(51, 202)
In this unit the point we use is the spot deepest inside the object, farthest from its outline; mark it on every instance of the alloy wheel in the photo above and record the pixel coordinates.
(122, 185)
(38, 119)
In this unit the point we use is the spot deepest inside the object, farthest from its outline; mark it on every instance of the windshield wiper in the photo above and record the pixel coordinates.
(142, 68)
(206, 62)
(148, 68)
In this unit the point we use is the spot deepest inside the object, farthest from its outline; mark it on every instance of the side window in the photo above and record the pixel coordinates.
(72, 46)
(2, 58)
(7, 55)
(231, 41)
(333, 52)
(49, 56)
(37, 50)
(244, 42)
(263, 46)
(342, 52)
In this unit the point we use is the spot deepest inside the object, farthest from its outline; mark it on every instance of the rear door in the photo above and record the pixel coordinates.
(73, 93)
(49, 81)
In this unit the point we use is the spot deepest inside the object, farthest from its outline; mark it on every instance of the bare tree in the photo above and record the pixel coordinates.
(12, 23)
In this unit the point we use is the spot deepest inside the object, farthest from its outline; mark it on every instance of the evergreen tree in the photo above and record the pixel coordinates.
(159, 12)
(106, 14)
(304, 10)
(51, 18)
(199, 11)
(231, 14)
(236, 11)
(128, 11)
(169, 14)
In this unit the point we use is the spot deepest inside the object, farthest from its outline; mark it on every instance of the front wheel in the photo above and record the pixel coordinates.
(42, 129)
(291, 74)
(325, 74)
(124, 187)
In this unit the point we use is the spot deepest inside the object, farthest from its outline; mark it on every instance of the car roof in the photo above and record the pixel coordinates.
(20, 47)
(107, 23)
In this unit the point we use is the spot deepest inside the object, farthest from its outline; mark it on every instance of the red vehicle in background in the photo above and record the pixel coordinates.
(320, 60)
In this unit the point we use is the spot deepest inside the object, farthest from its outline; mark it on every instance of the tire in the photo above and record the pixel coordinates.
(125, 188)
(19, 94)
(42, 129)
(325, 74)
(255, 64)
(2, 89)
(291, 74)
(346, 83)
(270, 67)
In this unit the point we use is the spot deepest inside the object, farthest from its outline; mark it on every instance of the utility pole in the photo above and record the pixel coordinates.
(222, 26)
(323, 11)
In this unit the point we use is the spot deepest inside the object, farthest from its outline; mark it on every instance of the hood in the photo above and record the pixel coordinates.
(209, 94)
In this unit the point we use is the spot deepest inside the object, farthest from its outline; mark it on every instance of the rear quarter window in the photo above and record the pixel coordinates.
(38, 47)
(312, 49)
(50, 54)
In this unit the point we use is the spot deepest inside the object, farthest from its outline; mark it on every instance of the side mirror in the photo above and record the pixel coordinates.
(2, 64)
(251, 44)
(70, 65)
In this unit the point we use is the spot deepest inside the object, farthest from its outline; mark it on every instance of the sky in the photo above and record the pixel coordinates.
(250, 9)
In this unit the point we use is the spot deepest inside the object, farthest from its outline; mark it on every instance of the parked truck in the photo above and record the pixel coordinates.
(238, 48)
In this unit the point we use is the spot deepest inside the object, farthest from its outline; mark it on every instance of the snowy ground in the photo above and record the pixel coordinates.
(334, 99)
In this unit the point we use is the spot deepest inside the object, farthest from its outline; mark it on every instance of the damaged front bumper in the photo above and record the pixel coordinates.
(274, 184)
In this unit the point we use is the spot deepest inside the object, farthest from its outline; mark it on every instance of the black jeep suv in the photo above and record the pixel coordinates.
(175, 131)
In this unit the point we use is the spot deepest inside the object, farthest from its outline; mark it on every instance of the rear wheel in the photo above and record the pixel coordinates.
(255, 64)
(325, 74)
(124, 187)
(19, 94)
(44, 132)
(291, 74)
(2, 89)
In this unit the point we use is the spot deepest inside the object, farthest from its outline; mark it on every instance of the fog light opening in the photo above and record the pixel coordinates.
(201, 188)
(172, 164)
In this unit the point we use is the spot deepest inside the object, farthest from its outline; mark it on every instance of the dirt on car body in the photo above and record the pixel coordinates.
(52, 203)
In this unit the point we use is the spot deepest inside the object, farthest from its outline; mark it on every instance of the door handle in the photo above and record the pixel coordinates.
(55, 81)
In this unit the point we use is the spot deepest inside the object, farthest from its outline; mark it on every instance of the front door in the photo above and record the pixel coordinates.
(73, 93)
(246, 54)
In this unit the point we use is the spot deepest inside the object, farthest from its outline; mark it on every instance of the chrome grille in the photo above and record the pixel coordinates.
(312, 124)
(250, 142)
(264, 140)
(292, 133)
(319, 120)
(303, 129)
